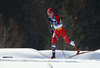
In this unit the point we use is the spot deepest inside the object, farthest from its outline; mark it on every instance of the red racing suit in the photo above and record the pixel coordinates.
(59, 30)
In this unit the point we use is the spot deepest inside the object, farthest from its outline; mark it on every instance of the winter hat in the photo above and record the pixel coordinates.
(49, 10)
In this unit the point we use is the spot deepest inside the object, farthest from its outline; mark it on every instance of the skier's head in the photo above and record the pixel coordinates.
(50, 11)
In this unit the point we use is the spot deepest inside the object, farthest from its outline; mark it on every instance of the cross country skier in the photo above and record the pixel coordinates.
(58, 30)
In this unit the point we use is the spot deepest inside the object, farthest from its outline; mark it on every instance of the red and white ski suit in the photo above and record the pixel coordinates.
(59, 30)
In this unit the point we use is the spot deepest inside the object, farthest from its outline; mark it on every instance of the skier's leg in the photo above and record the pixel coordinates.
(77, 46)
(53, 51)
(72, 43)
(54, 40)
(65, 37)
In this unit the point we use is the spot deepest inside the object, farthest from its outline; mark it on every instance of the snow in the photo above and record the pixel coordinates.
(20, 53)
(31, 58)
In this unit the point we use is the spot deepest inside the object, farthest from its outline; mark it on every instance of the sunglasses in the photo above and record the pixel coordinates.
(49, 13)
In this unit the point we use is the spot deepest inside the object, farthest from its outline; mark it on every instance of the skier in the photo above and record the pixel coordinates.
(57, 30)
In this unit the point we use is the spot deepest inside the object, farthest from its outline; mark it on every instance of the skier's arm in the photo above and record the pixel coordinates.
(51, 23)
(52, 28)
(54, 21)
(57, 19)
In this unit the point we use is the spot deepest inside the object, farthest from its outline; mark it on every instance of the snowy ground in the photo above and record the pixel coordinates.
(31, 58)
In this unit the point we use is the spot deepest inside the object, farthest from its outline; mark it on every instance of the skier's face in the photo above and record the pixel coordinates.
(51, 14)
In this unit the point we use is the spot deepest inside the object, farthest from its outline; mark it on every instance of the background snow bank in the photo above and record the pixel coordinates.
(43, 54)
(94, 55)
(20, 53)
(31, 58)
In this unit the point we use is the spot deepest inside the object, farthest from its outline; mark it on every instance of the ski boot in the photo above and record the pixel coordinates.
(78, 49)
(53, 56)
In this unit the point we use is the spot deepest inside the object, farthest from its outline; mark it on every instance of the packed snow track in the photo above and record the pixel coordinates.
(31, 58)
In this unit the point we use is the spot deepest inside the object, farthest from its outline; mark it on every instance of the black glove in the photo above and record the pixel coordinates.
(52, 32)
(51, 20)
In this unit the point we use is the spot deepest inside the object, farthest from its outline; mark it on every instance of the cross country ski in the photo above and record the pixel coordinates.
(81, 53)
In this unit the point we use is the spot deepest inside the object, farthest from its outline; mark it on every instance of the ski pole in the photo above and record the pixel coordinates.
(71, 21)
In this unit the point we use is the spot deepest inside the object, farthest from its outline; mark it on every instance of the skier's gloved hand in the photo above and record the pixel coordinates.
(52, 30)
(52, 20)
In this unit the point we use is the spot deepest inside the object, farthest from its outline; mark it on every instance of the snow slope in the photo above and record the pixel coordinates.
(20, 53)
(31, 58)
